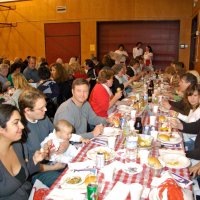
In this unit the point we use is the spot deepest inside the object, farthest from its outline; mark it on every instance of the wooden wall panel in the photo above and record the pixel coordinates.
(62, 40)
(196, 11)
(32, 15)
(162, 36)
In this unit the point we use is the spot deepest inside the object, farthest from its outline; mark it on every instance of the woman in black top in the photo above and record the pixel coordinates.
(64, 81)
(15, 166)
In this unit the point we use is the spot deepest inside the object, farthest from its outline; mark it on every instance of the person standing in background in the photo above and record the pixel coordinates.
(121, 55)
(137, 51)
(148, 57)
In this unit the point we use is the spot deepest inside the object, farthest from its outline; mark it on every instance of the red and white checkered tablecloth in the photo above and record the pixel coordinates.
(144, 178)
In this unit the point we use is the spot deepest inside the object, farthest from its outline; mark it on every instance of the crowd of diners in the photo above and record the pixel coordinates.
(53, 105)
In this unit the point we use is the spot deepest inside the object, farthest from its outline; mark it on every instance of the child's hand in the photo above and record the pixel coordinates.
(84, 140)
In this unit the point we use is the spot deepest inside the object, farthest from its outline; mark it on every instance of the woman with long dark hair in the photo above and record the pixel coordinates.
(15, 166)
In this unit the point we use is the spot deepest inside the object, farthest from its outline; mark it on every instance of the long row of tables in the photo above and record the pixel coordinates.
(144, 178)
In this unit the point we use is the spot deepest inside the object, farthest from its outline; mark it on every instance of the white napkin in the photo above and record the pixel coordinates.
(110, 169)
(81, 165)
(136, 191)
(119, 192)
(157, 181)
(62, 194)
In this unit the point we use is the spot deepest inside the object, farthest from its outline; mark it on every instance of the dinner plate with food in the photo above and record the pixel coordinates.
(173, 138)
(111, 131)
(109, 154)
(72, 180)
(162, 109)
(132, 168)
(169, 189)
(124, 108)
(175, 161)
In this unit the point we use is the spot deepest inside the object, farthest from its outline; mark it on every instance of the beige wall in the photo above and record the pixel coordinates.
(28, 37)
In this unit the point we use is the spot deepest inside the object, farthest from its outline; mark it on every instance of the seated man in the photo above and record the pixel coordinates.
(37, 127)
(30, 72)
(78, 111)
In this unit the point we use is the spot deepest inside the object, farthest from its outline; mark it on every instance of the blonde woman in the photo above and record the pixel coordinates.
(79, 71)
(20, 84)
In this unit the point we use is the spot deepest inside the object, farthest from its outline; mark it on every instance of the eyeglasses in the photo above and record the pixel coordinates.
(41, 109)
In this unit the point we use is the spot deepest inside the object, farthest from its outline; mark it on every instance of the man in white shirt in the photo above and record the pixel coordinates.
(137, 51)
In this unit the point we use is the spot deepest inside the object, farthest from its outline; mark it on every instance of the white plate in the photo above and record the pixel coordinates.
(110, 131)
(124, 108)
(182, 161)
(92, 153)
(176, 140)
(71, 175)
(132, 168)
(162, 109)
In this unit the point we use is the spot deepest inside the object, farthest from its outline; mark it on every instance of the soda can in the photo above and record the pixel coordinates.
(122, 121)
(92, 191)
(100, 160)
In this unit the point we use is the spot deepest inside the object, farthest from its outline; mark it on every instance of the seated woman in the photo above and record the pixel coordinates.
(118, 81)
(20, 84)
(14, 166)
(101, 98)
(49, 88)
(78, 71)
(180, 106)
(192, 96)
(14, 69)
(190, 128)
(64, 81)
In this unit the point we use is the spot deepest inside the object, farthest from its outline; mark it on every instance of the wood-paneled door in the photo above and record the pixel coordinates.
(62, 40)
(193, 42)
(162, 36)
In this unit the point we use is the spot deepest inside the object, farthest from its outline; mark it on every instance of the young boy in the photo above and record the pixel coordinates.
(62, 133)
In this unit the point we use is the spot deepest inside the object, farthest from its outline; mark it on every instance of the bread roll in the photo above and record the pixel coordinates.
(90, 179)
(164, 137)
(154, 162)
(162, 118)
(118, 89)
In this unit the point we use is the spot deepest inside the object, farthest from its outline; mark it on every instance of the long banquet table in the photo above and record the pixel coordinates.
(144, 178)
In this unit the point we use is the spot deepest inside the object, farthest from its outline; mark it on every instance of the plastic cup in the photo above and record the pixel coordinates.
(144, 154)
(108, 174)
(159, 98)
(155, 109)
(133, 113)
(154, 134)
(152, 120)
(111, 142)
(136, 191)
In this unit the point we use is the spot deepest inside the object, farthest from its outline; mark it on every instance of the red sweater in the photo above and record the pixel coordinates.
(99, 100)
